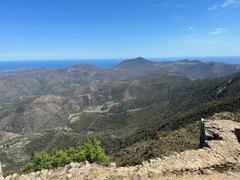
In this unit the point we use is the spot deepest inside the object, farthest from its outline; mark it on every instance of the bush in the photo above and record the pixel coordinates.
(60, 158)
(28, 167)
(42, 160)
(91, 151)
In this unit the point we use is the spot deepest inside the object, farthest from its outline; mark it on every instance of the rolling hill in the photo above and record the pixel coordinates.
(139, 109)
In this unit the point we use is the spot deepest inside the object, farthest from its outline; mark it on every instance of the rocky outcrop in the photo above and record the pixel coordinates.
(220, 138)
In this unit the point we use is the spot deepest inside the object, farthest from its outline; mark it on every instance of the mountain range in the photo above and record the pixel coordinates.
(138, 109)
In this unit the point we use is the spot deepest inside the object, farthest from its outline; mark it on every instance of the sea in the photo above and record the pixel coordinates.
(53, 64)
(9, 65)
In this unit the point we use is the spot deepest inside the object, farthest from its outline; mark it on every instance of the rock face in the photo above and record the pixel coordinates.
(220, 137)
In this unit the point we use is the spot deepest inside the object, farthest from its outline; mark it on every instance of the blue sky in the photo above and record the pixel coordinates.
(76, 29)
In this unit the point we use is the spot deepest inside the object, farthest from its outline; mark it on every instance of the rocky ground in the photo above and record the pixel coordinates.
(220, 138)
(84, 171)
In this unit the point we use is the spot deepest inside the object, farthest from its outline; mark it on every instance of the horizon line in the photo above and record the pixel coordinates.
(174, 58)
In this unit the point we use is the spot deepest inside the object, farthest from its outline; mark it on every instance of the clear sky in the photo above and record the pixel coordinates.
(68, 29)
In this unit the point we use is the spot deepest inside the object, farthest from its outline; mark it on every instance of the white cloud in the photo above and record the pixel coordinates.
(218, 31)
(188, 32)
(213, 8)
(187, 36)
(191, 28)
(230, 2)
(225, 4)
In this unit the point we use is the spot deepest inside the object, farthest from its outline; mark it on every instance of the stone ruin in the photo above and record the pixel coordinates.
(220, 150)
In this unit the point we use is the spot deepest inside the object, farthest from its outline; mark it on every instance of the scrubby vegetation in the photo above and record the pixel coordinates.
(163, 143)
(135, 117)
(90, 151)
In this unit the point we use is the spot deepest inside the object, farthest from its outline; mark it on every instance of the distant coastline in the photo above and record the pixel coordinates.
(52, 64)
(59, 64)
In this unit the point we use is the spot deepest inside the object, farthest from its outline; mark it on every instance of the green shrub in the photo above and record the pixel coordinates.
(60, 158)
(28, 167)
(42, 160)
(76, 154)
(91, 151)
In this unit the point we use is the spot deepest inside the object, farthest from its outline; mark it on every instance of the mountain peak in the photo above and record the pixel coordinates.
(139, 59)
(138, 62)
